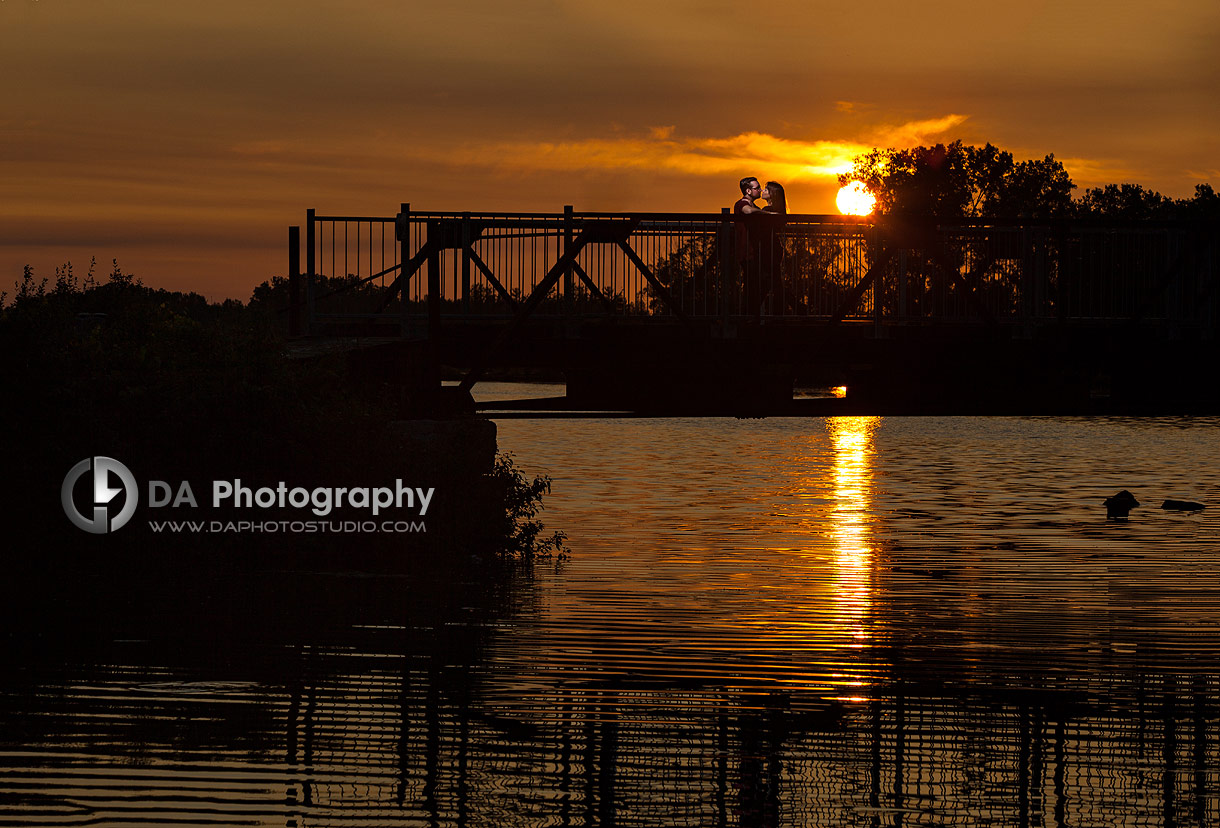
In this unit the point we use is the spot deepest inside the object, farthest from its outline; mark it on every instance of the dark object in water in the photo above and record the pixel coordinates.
(1120, 504)
(1182, 505)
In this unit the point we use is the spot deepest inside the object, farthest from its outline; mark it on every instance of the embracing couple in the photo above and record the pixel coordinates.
(760, 250)
(773, 193)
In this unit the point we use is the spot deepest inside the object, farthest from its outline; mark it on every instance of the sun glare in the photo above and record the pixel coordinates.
(855, 200)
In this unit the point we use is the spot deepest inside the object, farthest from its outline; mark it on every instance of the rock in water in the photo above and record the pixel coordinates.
(1120, 504)
(1182, 505)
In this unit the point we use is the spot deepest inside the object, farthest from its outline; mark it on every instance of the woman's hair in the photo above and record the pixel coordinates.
(778, 200)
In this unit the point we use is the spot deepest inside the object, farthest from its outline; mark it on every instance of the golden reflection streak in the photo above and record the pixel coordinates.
(852, 522)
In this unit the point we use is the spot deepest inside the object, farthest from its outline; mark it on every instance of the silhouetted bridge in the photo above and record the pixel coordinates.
(655, 312)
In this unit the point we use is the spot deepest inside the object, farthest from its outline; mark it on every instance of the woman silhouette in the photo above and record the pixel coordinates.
(772, 248)
(776, 201)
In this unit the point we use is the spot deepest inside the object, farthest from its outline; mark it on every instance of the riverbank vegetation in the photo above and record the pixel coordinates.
(180, 389)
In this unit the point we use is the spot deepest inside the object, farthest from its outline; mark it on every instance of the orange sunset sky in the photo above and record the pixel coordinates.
(183, 138)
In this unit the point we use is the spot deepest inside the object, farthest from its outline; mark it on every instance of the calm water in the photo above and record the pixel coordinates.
(846, 621)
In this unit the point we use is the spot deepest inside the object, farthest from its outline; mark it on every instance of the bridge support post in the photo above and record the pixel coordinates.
(310, 271)
(1040, 274)
(728, 267)
(294, 280)
(466, 240)
(1025, 289)
(402, 227)
(878, 298)
(904, 280)
(434, 284)
(569, 284)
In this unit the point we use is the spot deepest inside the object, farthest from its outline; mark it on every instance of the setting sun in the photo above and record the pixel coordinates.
(855, 200)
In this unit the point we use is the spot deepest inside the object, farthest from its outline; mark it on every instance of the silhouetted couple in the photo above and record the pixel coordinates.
(759, 248)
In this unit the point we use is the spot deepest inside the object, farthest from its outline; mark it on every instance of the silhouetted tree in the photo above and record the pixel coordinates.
(1125, 201)
(956, 180)
(1133, 201)
(1204, 205)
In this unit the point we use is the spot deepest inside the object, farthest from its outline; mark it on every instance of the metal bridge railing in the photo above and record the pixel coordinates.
(413, 268)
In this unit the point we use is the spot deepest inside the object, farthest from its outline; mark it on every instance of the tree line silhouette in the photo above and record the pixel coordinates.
(961, 181)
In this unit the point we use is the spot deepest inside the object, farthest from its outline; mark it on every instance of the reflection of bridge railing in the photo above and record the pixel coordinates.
(1131, 750)
(418, 266)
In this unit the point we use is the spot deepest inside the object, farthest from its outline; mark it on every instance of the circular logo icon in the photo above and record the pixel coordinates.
(101, 522)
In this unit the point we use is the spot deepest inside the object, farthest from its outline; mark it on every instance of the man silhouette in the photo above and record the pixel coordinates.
(750, 190)
(747, 242)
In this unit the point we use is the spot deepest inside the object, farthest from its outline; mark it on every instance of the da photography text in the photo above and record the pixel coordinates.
(110, 507)
(320, 500)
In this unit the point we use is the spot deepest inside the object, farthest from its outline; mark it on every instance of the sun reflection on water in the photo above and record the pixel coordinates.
(852, 523)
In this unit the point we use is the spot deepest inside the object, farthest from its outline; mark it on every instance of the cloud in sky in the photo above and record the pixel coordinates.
(918, 133)
(662, 149)
(708, 156)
